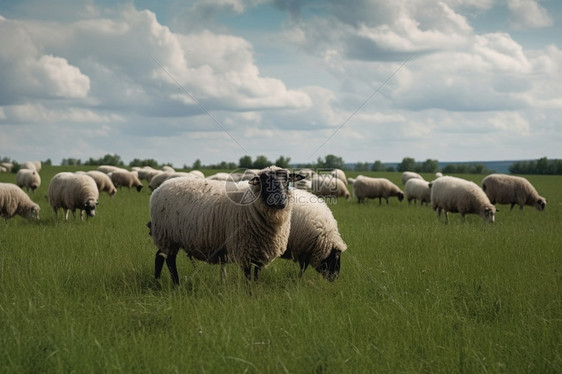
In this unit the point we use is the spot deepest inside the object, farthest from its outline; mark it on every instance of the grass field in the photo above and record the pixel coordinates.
(414, 295)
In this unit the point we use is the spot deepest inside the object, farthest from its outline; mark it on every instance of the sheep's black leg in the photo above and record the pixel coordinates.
(158, 264)
(257, 269)
(171, 262)
(248, 272)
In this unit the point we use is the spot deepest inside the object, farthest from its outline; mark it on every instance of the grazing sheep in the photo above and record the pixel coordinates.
(438, 174)
(31, 165)
(220, 222)
(103, 182)
(456, 195)
(168, 169)
(71, 191)
(314, 238)
(417, 189)
(124, 178)
(509, 189)
(410, 175)
(109, 169)
(28, 179)
(221, 177)
(329, 186)
(14, 201)
(161, 178)
(372, 188)
(307, 173)
(3, 169)
(351, 180)
(8, 166)
(340, 174)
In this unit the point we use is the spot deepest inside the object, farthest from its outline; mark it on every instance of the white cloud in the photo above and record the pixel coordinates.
(528, 14)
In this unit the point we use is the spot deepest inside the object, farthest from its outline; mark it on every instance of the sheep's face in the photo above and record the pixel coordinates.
(540, 204)
(400, 196)
(274, 186)
(33, 213)
(489, 214)
(90, 207)
(330, 266)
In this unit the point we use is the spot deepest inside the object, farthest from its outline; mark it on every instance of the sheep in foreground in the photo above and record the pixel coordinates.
(28, 179)
(71, 191)
(125, 178)
(220, 222)
(329, 186)
(103, 182)
(14, 201)
(407, 175)
(417, 189)
(457, 195)
(372, 188)
(314, 238)
(509, 189)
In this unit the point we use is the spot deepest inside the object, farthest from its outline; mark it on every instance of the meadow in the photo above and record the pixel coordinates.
(414, 295)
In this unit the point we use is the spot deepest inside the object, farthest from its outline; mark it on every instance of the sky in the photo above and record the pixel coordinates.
(214, 80)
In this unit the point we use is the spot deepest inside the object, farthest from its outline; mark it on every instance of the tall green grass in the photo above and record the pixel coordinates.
(414, 295)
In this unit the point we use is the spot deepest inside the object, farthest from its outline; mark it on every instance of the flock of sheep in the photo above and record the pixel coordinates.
(253, 217)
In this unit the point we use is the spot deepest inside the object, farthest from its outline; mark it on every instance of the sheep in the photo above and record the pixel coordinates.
(31, 165)
(14, 201)
(509, 189)
(329, 186)
(340, 174)
(71, 191)
(351, 180)
(409, 175)
(161, 178)
(124, 178)
(28, 179)
(3, 169)
(372, 188)
(220, 177)
(417, 189)
(168, 169)
(457, 195)
(197, 173)
(103, 182)
(109, 169)
(314, 238)
(8, 166)
(220, 222)
(307, 173)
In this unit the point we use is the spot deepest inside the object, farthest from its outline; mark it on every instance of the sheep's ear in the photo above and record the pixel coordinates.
(254, 181)
(296, 177)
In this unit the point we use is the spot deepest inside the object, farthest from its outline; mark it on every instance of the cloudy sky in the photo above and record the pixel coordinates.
(453, 80)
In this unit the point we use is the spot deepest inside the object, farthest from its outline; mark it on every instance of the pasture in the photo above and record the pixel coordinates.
(414, 295)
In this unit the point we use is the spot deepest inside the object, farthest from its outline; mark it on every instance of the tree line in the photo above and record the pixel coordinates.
(330, 161)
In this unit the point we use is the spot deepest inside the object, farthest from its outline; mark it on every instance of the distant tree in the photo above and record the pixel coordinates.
(71, 162)
(540, 166)
(361, 166)
(196, 165)
(466, 169)
(330, 162)
(377, 166)
(146, 162)
(108, 159)
(47, 162)
(245, 162)
(261, 162)
(408, 164)
(283, 162)
(430, 166)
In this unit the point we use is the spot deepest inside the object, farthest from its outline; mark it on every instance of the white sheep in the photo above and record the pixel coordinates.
(314, 238)
(161, 178)
(109, 169)
(340, 174)
(221, 177)
(410, 175)
(509, 189)
(125, 178)
(28, 179)
(417, 189)
(457, 195)
(219, 222)
(103, 182)
(197, 173)
(168, 169)
(8, 166)
(14, 201)
(372, 188)
(31, 165)
(71, 191)
(329, 186)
